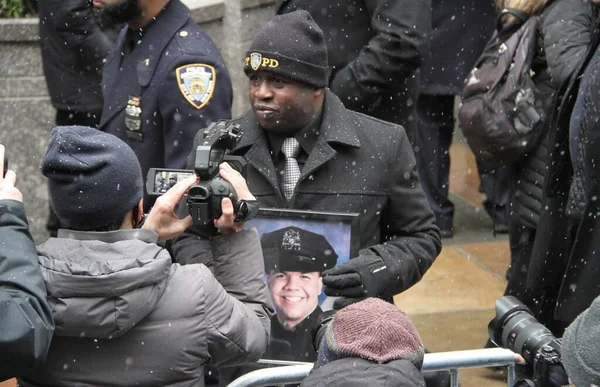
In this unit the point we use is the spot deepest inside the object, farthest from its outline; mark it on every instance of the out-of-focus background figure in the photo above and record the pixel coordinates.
(455, 43)
(565, 32)
(375, 49)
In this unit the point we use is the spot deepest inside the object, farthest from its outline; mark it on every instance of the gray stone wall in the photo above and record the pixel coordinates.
(26, 115)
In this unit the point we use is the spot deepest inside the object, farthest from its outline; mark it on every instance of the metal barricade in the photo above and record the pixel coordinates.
(452, 361)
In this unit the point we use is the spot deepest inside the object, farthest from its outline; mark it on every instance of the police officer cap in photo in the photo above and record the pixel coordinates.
(580, 351)
(291, 45)
(296, 249)
(94, 177)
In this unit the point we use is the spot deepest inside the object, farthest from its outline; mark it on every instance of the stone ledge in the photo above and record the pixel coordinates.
(204, 11)
(19, 30)
(248, 4)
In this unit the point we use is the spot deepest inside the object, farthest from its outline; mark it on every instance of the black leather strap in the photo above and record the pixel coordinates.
(522, 16)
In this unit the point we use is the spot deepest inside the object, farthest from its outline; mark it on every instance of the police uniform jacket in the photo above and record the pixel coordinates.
(375, 48)
(359, 164)
(172, 84)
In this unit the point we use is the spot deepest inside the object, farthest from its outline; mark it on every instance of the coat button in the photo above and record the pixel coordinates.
(183, 34)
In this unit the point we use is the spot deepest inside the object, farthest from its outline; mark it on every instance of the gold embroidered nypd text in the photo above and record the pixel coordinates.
(256, 61)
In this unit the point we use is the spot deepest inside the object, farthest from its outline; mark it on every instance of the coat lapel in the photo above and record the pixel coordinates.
(337, 127)
(254, 146)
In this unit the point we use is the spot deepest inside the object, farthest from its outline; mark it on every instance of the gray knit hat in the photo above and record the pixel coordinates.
(94, 177)
(374, 330)
(293, 46)
(580, 353)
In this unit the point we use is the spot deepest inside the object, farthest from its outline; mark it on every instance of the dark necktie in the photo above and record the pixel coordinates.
(291, 171)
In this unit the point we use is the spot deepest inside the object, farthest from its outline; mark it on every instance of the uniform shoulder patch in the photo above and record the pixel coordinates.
(196, 82)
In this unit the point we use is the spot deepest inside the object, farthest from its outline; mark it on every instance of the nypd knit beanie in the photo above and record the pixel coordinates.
(374, 330)
(94, 177)
(580, 355)
(291, 45)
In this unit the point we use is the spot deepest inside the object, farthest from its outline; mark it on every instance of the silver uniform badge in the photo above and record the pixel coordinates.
(133, 118)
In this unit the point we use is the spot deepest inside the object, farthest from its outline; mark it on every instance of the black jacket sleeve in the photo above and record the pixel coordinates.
(567, 27)
(75, 22)
(26, 324)
(394, 53)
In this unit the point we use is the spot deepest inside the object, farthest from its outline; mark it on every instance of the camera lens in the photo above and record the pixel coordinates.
(515, 328)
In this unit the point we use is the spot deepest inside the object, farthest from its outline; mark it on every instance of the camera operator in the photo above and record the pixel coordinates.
(369, 343)
(580, 351)
(26, 324)
(124, 313)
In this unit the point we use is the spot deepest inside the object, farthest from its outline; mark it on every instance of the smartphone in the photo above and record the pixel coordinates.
(5, 165)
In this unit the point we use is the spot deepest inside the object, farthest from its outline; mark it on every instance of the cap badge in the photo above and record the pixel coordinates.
(291, 240)
(255, 60)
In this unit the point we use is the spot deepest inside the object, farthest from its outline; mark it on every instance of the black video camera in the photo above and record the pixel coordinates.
(203, 199)
(515, 328)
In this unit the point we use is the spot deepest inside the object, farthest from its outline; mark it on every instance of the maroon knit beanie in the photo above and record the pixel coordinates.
(374, 330)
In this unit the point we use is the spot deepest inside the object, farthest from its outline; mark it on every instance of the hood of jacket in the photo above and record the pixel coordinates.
(355, 372)
(101, 284)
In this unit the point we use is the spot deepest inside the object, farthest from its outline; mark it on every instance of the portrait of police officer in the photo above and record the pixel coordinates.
(163, 81)
(294, 260)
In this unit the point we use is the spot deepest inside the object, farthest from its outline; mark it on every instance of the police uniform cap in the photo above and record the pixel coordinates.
(295, 249)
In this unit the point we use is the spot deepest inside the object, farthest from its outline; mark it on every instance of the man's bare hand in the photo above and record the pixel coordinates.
(226, 223)
(162, 218)
(7, 183)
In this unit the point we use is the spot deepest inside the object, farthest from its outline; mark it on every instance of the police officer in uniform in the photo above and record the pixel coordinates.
(163, 82)
(294, 261)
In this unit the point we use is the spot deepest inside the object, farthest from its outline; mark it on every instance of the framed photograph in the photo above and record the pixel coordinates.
(297, 247)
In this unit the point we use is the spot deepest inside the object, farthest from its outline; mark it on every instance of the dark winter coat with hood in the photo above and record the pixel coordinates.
(566, 258)
(26, 324)
(125, 315)
(356, 372)
(375, 49)
(564, 36)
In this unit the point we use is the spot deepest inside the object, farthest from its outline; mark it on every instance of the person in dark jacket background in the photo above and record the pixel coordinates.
(375, 49)
(460, 30)
(74, 47)
(369, 343)
(26, 323)
(164, 80)
(564, 35)
(564, 266)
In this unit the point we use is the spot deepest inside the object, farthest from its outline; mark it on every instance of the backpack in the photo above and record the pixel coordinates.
(503, 112)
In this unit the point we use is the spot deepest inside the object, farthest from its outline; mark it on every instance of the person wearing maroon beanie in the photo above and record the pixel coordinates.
(372, 343)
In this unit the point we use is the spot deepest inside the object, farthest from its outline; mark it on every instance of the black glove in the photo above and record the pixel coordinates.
(359, 278)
